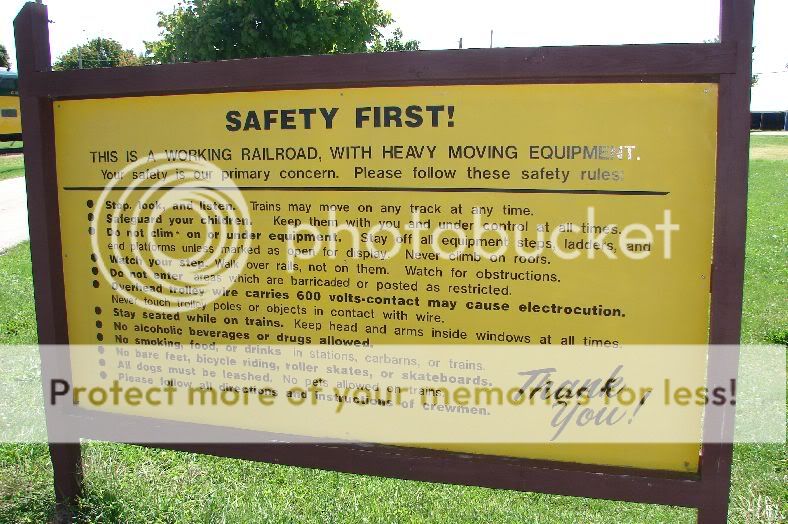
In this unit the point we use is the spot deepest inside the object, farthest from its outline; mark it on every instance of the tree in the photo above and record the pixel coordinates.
(395, 43)
(225, 29)
(99, 52)
(5, 61)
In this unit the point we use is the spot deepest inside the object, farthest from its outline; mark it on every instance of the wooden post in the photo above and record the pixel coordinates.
(32, 37)
(733, 139)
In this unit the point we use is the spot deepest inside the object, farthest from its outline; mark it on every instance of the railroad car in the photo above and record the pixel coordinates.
(10, 119)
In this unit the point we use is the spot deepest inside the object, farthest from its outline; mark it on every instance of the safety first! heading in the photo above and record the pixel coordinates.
(412, 116)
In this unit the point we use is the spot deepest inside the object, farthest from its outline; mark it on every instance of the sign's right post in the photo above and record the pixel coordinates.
(730, 223)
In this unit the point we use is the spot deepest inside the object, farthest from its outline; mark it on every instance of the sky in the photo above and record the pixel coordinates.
(439, 24)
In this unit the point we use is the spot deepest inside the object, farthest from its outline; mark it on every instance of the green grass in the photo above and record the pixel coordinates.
(10, 145)
(17, 312)
(11, 166)
(766, 272)
(134, 485)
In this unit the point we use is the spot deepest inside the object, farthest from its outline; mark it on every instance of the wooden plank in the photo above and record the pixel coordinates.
(673, 62)
(32, 44)
(730, 225)
(543, 476)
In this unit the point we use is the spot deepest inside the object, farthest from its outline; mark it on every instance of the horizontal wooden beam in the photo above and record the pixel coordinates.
(542, 476)
(672, 62)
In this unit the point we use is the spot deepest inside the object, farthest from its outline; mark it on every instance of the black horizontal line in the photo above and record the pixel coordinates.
(384, 189)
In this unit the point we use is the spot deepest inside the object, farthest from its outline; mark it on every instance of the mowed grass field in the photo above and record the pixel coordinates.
(127, 484)
(11, 166)
(10, 145)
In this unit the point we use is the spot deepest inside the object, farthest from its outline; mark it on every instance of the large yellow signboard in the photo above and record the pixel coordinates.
(310, 229)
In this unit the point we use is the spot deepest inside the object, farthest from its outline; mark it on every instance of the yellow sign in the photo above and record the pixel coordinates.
(274, 238)
(10, 121)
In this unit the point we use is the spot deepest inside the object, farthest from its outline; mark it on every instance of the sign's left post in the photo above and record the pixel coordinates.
(33, 57)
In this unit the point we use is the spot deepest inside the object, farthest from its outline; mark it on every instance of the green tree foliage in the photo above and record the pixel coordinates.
(99, 52)
(200, 30)
(395, 43)
(5, 61)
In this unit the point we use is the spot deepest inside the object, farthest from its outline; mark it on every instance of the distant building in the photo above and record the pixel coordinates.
(769, 120)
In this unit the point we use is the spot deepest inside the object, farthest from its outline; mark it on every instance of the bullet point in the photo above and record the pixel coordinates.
(99, 337)
(90, 216)
(95, 283)
(103, 375)
(91, 230)
(97, 310)
(89, 203)
(102, 362)
(93, 257)
(94, 271)
(101, 350)
(99, 324)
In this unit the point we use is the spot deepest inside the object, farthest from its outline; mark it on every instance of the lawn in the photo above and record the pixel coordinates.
(11, 166)
(133, 485)
(10, 145)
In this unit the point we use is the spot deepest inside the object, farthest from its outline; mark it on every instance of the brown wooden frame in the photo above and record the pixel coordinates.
(727, 63)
